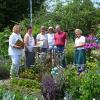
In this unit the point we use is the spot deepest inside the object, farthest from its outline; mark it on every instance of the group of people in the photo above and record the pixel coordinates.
(46, 40)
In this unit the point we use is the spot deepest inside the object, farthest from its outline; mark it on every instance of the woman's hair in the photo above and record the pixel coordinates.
(16, 28)
(78, 30)
(29, 27)
(43, 27)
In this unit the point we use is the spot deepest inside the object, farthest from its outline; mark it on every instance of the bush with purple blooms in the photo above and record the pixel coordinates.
(91, 43)
(51, 90)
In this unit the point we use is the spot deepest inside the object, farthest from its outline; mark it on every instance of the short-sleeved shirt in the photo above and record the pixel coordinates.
(60, 39)
(43, 40)
(12, 40)
(50, 39)
(31, 42)
(79, 40)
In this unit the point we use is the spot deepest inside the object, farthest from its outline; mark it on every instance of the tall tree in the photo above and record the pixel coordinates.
(15, 10)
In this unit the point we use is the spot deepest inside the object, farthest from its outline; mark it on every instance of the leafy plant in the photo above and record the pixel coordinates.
(6, 94)
(70, 52)
(83, 87)
(32, 84)
(27, 73)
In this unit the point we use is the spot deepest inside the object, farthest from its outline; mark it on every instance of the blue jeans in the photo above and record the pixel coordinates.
(60, 48)
(51, 48)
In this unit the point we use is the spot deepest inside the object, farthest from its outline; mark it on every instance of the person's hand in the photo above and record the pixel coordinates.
(18, 47)
(75, 46)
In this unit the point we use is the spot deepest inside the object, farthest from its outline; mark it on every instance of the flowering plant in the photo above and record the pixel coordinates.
(92, 43)
(50, 89)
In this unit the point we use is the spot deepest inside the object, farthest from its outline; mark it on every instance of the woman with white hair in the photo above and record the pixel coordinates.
(15, 51)
(80, 56)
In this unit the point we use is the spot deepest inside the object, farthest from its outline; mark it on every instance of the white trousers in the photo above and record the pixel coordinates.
(15, 65)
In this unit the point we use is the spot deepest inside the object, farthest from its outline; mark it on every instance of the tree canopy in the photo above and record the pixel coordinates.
(16, 10)
(74, 14)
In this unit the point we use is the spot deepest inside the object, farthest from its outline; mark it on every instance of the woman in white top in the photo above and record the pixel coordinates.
(29, 44)
(42, 39)
(50, 38)
(80, 54)
(15, 51)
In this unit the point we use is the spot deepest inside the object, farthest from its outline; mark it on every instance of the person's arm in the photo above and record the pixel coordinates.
(26, 39)
(66, 39)
(54, 39)
(47, 42)
(37, 39)
(34, 42)
(81, 44)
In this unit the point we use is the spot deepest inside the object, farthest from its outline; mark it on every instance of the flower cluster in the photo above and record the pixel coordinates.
(92, 43)
(49, 88)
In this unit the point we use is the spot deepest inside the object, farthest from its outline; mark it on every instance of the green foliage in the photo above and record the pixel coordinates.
(31, 73)
(4, 72)
(98, 33)
(4, 36)
(12, 11)
(70, 52)
(86, 86)
(27, 73)
(15, 95)
(32, 84)
(76, 14)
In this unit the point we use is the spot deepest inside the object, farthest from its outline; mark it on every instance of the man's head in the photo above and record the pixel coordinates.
(58, 28)
(50, 29)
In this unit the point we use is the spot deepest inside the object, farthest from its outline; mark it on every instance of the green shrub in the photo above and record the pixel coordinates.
(27, 73)
(4, 73)
(6, 94)
(31, 73)
(83, 87)
(70, 52)
(32, 84)
(4, 68)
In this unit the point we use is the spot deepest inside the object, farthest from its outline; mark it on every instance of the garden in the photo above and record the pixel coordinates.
(36, 83)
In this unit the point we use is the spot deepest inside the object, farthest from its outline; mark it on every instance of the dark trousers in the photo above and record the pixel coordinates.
(30, 58)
